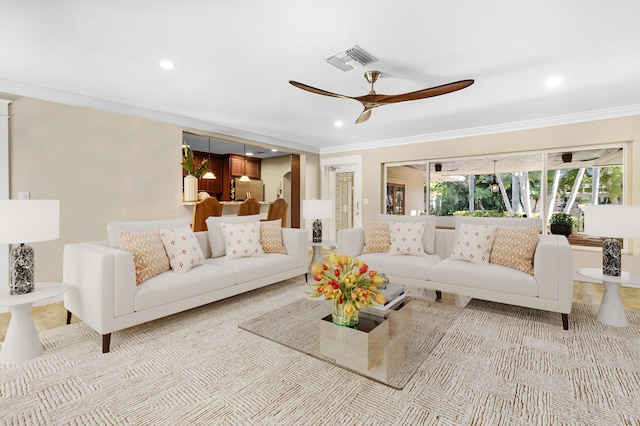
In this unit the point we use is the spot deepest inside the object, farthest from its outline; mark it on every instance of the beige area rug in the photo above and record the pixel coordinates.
(496, 365)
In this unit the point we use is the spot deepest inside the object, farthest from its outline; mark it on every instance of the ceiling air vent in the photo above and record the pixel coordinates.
(350, 58)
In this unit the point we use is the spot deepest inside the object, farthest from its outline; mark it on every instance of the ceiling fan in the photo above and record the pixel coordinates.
(372, 99)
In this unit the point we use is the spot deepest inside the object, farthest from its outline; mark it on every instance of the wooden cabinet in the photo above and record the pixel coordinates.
(212, 186)
(237, 166)
(395, 198)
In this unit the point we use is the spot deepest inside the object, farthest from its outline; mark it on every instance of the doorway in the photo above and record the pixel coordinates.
(342, 183)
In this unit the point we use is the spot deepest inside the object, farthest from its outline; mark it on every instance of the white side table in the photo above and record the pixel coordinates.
(317, 252)
(611, 311)
(21, 342)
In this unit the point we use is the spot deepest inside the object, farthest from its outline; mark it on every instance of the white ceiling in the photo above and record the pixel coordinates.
(233, 60)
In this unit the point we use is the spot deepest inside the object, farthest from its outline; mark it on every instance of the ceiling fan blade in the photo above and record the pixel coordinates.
(426, 93)
(318, 91)
(364, 116)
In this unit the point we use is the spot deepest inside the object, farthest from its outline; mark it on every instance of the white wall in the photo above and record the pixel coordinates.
(273, 170)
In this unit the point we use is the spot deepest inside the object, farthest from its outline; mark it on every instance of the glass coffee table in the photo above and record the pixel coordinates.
(389, 350)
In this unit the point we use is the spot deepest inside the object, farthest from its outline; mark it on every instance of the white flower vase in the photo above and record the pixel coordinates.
(190, 188)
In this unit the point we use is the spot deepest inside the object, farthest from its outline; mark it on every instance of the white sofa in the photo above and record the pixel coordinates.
(549, 288)
(102, 278)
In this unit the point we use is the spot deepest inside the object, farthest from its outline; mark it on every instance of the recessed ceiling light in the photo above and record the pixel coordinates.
(274, 150)
(250, 154)
(167, 65)
(554, 81)
(338, 123)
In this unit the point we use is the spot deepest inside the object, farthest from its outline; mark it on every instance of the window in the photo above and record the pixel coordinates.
(463, 185)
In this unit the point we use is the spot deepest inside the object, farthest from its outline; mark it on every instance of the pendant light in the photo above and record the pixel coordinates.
(495, 187)
(244, 177)
(209, 174)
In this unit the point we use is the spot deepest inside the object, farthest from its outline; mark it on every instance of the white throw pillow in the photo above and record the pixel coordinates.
(473, 243)
(242, 239)
(406, 238)
(182, 247)
(216, 239)
(429, 236)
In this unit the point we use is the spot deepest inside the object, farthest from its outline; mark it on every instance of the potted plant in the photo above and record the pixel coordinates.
(193, 173)
(561, 223)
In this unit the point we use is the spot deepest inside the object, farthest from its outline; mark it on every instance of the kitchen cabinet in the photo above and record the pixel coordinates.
(237, 166)
(212, 186)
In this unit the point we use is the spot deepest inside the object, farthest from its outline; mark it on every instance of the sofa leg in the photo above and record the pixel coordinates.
(69, 317)
(565, 321)
(106, 341)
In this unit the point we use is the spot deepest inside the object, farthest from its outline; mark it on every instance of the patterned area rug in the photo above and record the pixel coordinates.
(495, 365)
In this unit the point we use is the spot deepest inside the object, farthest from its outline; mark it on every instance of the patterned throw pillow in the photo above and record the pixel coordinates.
(406, 238)
(271, 236)
(214, 232)
(474, 243)
(149, 256)
(242, 239)
(515, 247)
(182, 247)
(376, 237)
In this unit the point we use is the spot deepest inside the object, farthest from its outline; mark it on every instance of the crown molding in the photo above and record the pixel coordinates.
(73, 99)
(624, 111)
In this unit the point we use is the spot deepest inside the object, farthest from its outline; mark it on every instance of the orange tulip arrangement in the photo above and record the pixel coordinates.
(349, 283)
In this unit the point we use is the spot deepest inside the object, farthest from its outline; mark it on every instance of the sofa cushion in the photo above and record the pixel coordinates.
(169, 287)
(216, 239)
(149, 256)
(429, 236)
(401, 266)
(271, 236)
(114, 228)
(182, 248)
(376, 237)
(242, 239)
(491, 277)
(255, 268)
(515, 246)
(473, 243)
(406, 238)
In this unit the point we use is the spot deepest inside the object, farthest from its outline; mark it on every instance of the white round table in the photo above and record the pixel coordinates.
(21, 342)
(611, 310)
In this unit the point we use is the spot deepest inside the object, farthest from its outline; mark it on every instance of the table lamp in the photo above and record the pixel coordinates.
(612, 221)
(317, 209)
(26, 221)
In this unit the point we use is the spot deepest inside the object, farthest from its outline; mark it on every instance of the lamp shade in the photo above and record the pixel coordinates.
(612, 221)
(26, 221)
(317, 209)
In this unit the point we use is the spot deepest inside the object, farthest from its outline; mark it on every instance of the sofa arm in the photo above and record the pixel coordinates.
(553, 269)
(295, 243)
(102, 283)
(351, 241)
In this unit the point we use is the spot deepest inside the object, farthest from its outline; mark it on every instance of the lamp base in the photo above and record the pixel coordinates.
(317, 231)
(21, 266)
(611, 257)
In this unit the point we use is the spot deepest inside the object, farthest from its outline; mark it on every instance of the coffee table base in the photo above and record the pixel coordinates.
(378, 353)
